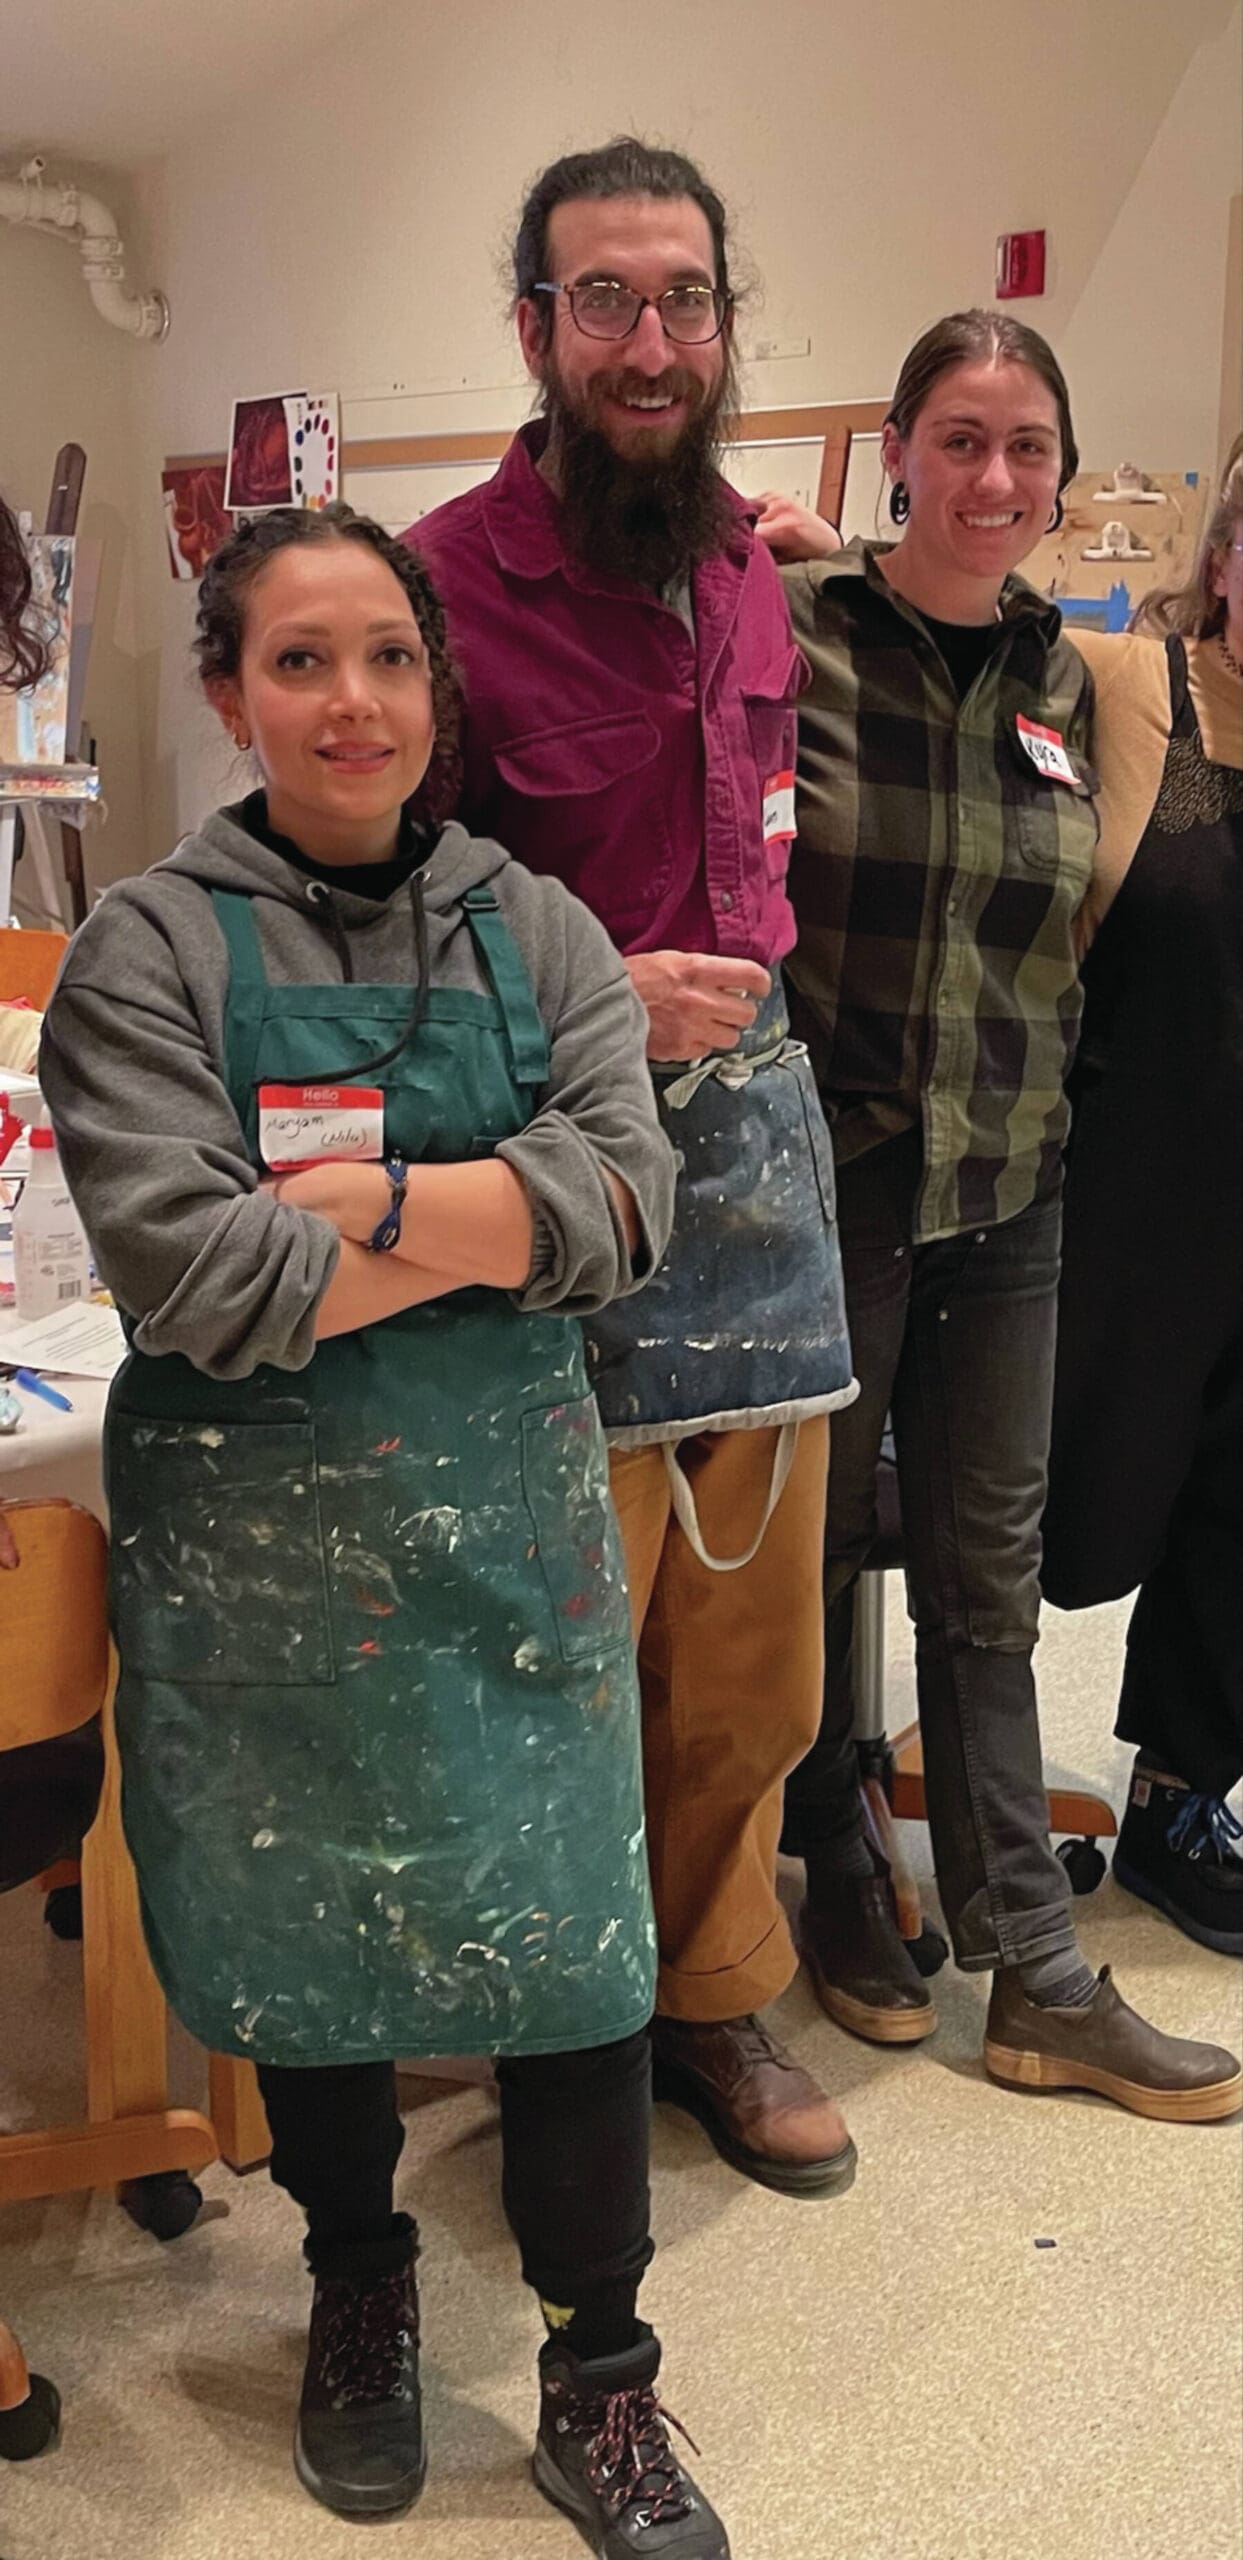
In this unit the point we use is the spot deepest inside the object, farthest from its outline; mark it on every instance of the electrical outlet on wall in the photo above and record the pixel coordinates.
(775, 350)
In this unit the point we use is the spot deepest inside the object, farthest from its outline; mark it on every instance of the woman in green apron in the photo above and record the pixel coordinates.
(357, 1115)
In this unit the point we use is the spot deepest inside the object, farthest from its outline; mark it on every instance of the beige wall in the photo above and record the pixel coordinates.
(69, 378)
(345, 230)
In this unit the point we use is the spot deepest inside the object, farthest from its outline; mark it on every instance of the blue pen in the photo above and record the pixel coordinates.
(39, 1387)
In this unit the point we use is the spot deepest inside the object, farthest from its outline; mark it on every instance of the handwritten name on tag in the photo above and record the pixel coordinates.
(1047, 750)
(778, 807)
(305, 1124)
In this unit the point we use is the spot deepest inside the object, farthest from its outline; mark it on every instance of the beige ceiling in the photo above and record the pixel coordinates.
(116, 81)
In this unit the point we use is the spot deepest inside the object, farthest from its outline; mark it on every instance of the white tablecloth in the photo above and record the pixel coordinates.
(55, 1453)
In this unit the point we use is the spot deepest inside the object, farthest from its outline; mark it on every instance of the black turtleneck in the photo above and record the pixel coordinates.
(375, 880)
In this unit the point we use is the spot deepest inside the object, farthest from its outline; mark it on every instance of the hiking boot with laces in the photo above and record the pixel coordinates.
(1178, 1850)
(359, 2446)
(603, 2454)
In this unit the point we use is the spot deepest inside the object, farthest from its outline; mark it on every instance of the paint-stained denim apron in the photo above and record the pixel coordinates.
(377, 1708)
(744, 1323)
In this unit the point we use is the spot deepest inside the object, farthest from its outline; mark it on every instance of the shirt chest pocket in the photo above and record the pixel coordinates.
(1056, 821)
(582, 800)
(769, 704)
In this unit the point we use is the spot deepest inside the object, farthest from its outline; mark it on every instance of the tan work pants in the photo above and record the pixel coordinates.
(731, 1667)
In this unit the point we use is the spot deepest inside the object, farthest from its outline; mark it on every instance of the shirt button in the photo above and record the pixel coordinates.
(725, 902)
(953, 906)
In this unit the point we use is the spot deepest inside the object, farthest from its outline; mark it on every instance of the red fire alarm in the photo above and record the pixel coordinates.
(1020, 264)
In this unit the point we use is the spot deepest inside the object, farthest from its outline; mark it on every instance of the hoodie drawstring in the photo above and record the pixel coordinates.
(320, 895)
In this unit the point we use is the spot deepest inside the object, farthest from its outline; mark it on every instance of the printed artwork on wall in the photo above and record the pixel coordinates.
(195, 517)
(33, 724)
(284, 451)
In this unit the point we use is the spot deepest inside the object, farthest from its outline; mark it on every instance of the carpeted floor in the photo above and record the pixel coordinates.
(900, 2374)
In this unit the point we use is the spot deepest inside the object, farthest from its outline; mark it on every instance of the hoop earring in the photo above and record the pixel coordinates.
(899, 502)
(1057, 519)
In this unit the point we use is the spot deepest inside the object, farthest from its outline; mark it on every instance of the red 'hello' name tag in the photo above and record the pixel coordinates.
(1047, 751)
(305, 1124)
(778, 808)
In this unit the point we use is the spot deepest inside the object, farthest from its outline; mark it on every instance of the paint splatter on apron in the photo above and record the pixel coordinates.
(378, 1709)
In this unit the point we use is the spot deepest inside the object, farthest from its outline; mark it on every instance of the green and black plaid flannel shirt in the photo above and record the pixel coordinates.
(936, 877)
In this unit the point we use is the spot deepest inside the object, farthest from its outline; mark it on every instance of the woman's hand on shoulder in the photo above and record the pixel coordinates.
(352, 1197)
(794, 532)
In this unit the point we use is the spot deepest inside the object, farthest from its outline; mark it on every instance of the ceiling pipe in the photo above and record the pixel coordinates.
(66, 211)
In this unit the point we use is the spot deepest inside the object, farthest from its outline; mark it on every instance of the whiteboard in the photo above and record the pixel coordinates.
(791, 468)
(399, 497)
(865, 504)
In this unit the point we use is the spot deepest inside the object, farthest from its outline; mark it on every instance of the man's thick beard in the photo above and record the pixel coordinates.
(649, 522)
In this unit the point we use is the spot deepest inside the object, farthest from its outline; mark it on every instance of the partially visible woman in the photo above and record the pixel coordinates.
(28, 2424)
(22, 662)
(23, 650)
(1146, 1477)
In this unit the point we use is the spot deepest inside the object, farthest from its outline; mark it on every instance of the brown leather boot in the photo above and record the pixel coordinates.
(764, 2113)
(863, 1973)
(1108, 2048)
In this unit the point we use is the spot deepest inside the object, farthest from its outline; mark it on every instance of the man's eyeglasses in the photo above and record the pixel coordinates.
(692, 315)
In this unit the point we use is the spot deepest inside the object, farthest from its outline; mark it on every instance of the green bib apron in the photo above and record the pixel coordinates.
(378, 1710)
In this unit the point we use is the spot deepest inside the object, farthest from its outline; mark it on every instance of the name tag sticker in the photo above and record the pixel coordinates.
(778, 807)
(1047, 751)
(305, 1124)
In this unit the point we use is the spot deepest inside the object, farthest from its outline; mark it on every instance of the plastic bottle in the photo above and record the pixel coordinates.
(51, 1257)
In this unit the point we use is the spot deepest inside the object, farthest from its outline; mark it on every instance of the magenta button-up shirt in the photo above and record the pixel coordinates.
(606, 745)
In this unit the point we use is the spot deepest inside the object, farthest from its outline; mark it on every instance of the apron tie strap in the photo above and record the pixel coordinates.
(730, 1069)
(248, 985)
(524, 1025)
(688, 1517)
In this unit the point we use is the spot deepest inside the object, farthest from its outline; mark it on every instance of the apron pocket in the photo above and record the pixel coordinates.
(217, 1561)
(565, 1481)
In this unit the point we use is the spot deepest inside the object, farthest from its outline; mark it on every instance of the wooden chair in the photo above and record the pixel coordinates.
(56, 1669)
(28, 965)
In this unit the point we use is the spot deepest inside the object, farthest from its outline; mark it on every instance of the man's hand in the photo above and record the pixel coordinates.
(696, 1001)
(793, 532)
(9, 1558)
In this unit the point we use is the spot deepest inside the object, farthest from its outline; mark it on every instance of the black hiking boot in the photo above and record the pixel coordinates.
(604, 2456)
(1177, 1850)
(359, 2445)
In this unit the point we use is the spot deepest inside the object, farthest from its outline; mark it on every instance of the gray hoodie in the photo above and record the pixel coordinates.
(202, 1259)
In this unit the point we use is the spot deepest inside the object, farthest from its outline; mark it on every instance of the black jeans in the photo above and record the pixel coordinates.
(954, 1340)
(574, 2130)
(1182, 1691)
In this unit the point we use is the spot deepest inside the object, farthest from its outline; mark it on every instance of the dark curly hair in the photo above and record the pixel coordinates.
(221, 623)
(25, 654)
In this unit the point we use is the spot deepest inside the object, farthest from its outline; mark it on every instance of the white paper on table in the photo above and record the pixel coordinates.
(80, 1341)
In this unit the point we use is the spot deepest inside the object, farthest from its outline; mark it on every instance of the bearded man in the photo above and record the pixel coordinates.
(631, 680)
